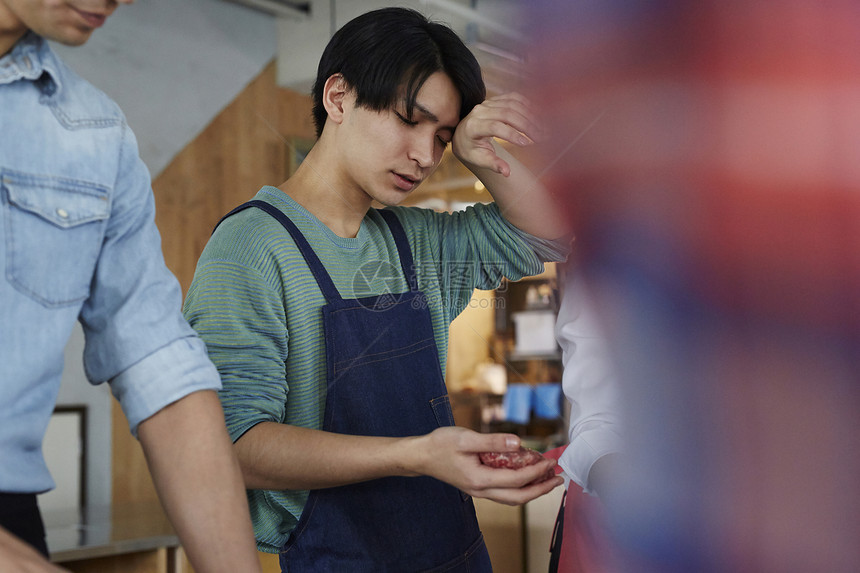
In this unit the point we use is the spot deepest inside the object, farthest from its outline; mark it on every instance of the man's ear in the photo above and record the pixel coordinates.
(334, 94)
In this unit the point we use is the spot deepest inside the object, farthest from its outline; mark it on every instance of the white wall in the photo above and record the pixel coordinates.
(301, 41)
(172, 65)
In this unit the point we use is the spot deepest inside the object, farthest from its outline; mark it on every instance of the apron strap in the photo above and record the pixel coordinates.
(557, 538)
(403, 248)
(322, 277)
(324, 281)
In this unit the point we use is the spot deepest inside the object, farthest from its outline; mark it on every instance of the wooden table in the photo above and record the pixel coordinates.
(130, 538)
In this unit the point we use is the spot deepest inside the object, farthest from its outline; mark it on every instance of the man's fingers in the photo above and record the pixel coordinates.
(477, 443)
(518, 478)
(508, 126)
(519, 496)
(517, 114)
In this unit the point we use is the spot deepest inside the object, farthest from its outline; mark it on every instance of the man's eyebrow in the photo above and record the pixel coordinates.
(430, 115)
(427, 113)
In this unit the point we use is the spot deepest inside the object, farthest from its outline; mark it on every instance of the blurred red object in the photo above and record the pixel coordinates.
(706, 152)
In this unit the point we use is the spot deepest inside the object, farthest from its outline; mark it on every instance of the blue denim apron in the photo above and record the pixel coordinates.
(383, 379)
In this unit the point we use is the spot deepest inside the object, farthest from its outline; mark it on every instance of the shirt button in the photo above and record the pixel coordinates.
(62, 213)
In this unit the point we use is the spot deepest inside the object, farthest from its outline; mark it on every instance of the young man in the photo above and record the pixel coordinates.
(80, 243)
(328, 319)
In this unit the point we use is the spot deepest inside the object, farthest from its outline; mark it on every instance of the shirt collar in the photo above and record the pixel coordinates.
(29, 59)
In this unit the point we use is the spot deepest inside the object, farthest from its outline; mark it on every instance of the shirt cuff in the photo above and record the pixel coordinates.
(584, 450)
(165, 376)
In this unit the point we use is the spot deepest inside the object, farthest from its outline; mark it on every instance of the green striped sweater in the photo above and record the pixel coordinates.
(257, 306)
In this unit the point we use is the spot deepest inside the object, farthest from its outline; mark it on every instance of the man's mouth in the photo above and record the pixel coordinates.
(406, 182)
(92, 19)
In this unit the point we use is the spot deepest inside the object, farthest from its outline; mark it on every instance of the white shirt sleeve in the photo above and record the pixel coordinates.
(588, 382)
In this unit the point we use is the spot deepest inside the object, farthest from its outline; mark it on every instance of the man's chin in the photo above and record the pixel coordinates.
(70, 38)
(393, 199)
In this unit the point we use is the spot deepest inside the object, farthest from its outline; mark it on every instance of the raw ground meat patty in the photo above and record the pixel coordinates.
(511, 460)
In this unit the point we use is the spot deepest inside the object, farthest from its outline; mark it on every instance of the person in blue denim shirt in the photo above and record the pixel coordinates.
(78, 242)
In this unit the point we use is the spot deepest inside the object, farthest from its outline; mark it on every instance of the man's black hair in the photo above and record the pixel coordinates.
(387, 55)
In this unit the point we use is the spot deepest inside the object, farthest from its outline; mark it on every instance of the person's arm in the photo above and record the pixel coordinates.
(279, 456)
(602, 475)
(199, 482)
(250, 341)
(137, 339)
(15, 555)
(522, 199)
(589, 384)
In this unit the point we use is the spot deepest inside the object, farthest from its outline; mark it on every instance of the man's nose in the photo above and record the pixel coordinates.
(423, 151)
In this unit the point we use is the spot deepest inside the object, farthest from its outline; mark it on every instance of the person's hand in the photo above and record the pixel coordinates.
(506, 117)
(450, 454)
(17, 556)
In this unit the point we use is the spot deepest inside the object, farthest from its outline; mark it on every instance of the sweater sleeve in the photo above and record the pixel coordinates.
(475, 248)
(240, 316)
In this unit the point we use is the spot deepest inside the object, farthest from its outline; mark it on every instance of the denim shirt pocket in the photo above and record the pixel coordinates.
(54, 231)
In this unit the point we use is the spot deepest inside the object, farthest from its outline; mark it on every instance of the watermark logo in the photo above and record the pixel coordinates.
(374, 277)
(380, 284)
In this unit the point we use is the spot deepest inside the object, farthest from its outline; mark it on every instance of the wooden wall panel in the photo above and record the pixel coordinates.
(237, 153)
(244, 148)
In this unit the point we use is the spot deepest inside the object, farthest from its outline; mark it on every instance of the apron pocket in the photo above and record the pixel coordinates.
(378, 353)
(442, 410)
